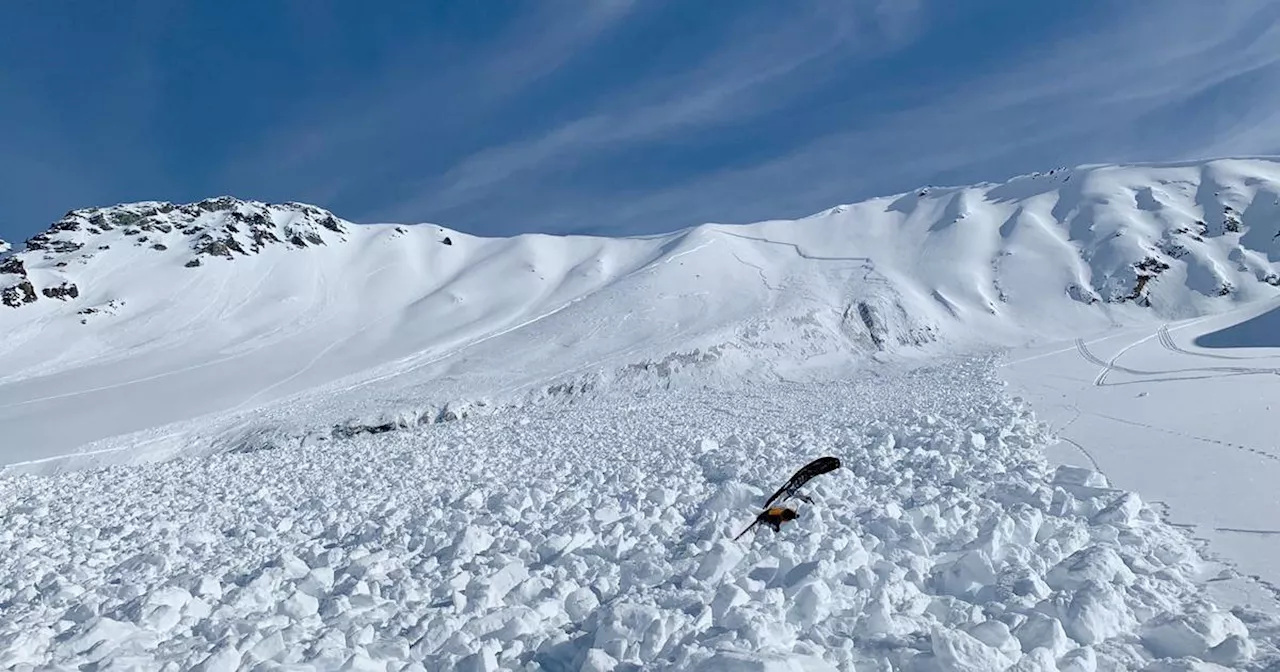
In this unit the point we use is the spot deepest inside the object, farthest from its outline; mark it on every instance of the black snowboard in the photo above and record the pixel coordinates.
(819, 466)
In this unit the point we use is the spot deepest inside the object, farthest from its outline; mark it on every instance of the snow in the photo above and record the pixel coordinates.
(385, 325)
(599, 537)
(1181, 412)
(358, 447)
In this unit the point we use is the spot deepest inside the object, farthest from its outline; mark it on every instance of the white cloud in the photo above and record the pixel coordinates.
(741, 80)
(1191, 80)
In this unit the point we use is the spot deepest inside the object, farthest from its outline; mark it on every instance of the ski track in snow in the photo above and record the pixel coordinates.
(1166, 341)
(599, 536)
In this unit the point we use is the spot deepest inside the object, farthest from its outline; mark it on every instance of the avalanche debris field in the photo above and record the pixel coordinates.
(598, 536)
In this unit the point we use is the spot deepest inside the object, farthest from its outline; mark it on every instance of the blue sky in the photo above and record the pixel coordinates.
(608, 116)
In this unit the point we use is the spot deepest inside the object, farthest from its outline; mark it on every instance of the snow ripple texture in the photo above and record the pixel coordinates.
(600, 537)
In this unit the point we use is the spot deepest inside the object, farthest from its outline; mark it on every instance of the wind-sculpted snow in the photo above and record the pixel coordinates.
(599, 537)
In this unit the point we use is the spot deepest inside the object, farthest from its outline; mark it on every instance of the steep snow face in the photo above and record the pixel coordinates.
(284, 319)
(602, 538)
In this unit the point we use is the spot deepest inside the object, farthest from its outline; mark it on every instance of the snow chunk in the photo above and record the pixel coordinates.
(470, 541)
(732, 661)
(1042, 632)
(722, 558)
(1096, 564)
(480, 661)
(598, 661)
(1194, 634)
(958, 651)
(1096, 613)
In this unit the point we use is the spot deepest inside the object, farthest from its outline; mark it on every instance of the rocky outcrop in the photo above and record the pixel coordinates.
(223, 228)
(13, 266)
(18, 294)
(16, 289)
(63, 291)
(1145, 270)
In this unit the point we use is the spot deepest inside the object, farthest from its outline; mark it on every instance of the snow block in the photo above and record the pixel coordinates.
(732, 661)
(723, 557)
(958, 651)
(1194, 634)
(1096, 613)
(1042, 632)
(1097, 564)
(1068, 475)
(598, 661)
(1121, 512)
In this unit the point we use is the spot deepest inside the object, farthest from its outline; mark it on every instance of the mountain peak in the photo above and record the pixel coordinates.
(223, 227)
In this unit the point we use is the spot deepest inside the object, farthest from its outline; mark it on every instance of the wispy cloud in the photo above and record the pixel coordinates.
(749, 76)
(643, 115)
(1192, 81)
(423, 82)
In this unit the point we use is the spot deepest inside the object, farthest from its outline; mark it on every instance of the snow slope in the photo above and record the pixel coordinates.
(1182, 412)
(600, 537)
(182, 329)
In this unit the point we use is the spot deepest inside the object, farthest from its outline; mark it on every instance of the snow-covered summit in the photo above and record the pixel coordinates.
(222, 227)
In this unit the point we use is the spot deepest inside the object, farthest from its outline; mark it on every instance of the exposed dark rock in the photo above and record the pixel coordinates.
(64, 246)
(1146, 269)
(63, 291)
(18, 295)
(13, 265)
(125, 218)
(192, 264)
(216, 204)
(447, 241)
(159, 246)
(331, 223)
(1230, 220)
(299, 240)
(1172, 249)
(875, 327)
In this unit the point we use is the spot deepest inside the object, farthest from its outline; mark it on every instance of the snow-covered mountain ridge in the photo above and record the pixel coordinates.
(1128, 225)
(365, 325)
